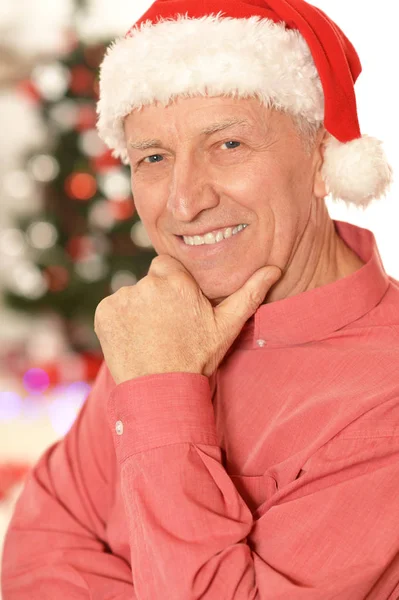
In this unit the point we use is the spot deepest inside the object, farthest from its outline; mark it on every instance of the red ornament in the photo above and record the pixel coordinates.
(50, 368)
(57, 278)
(105, 162)
(122, 209)
(87, 118)
(93, 363)
(81, 186)
(82, 81)
(80, 247)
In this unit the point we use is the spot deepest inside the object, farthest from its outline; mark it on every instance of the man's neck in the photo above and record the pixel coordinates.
(320, 258)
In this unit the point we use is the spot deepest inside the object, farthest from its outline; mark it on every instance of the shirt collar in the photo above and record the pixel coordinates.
(315, 314)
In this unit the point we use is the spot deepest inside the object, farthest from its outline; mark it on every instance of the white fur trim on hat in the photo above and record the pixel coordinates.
(211, 56)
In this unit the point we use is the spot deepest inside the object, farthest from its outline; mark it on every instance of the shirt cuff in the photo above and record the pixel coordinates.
(161, 409)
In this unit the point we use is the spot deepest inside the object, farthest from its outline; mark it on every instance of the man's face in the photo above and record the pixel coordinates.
(204, 164)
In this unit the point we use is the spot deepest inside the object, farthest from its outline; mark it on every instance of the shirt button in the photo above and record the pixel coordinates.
(261, 343)
(119, 427)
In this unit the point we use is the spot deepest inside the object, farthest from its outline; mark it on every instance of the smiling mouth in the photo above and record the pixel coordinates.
(210, 239)
(207, 249)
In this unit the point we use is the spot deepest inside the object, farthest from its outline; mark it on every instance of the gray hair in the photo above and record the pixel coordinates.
(307, 131)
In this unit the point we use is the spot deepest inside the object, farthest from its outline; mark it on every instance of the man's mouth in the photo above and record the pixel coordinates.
(214, 238)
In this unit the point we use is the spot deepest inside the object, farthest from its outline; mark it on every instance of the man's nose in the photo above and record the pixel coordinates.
(192, 190)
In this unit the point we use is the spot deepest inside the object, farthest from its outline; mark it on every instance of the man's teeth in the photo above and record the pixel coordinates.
(211, 238)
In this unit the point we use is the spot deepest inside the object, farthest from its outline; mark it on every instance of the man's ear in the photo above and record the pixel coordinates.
(319, 186)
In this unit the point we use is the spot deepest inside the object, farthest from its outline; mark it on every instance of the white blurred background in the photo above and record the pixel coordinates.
(48, 356)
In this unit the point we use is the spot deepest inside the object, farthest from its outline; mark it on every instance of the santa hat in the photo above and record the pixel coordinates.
(287, 53)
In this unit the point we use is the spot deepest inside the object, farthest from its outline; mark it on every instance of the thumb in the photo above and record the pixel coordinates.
(235, 310)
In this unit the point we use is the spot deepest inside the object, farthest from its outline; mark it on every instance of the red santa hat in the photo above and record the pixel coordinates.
(287, 53)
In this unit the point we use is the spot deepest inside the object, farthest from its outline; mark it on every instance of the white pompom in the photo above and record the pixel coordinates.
(357, 171)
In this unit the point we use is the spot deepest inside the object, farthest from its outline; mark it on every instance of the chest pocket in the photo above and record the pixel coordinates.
(254, 489)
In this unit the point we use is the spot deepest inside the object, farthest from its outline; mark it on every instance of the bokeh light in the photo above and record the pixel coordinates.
(92, 268)
(51, 80)
(18, 184)
(121, 279)
(101, 216)
(57, 278)
(65, 114)
(12, 242)
(80, 186)
(115, 184)
(28, 280)
(122, 209)
(66, 405)
(139, 236)
(42, 235)
(43, 167)
(36, 381)
(10, 405)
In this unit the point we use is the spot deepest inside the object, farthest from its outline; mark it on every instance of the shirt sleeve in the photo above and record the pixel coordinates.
(330, 533)
(54, 546)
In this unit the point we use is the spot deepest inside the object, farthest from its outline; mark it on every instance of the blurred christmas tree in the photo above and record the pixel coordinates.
(87, 241)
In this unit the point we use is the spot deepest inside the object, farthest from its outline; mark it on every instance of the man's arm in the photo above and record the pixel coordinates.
(331, 533)
(54, 546)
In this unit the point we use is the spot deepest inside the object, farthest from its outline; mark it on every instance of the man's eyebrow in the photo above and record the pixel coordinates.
(146, 144)
(221, 126)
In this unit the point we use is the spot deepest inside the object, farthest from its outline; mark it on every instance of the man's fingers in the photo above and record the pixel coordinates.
(235, 310)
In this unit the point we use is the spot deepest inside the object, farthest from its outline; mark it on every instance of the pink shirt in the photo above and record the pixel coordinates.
(277, 478)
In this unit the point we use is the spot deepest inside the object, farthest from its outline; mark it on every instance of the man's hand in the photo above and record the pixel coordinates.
(165, 324)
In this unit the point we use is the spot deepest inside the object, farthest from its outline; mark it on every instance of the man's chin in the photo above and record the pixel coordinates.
(215, 296)
(215, 301)
(218, 289)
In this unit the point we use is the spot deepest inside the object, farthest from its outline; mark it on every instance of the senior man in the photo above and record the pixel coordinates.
(241, 440)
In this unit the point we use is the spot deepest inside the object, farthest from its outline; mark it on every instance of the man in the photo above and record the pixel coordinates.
(241, 439)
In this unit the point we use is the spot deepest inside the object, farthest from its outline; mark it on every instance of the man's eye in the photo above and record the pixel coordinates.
(154, 156)
(232, 145)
